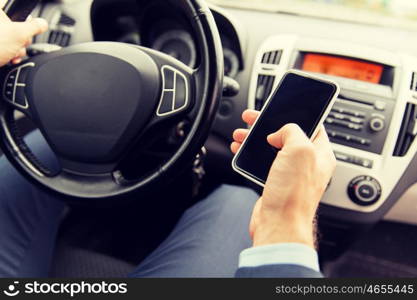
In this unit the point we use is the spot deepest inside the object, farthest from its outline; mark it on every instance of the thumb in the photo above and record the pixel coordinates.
(290, 134)
(32, 27)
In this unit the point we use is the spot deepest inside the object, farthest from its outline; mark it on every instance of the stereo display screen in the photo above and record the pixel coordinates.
(343, 67)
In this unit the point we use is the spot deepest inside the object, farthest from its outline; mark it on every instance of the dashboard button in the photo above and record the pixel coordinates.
(363, 162)
(364, 190)
(366, 163)
(361, 141)
(380, 105)
(355, 120)
(342, 157)
(338, 110)
(354, 127)
(338, 116)
(344, 124)
(331, 133)
(329, 121)
(354, 113)
(377, 124)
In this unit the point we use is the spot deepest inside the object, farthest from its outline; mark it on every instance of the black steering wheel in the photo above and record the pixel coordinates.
(95, 102)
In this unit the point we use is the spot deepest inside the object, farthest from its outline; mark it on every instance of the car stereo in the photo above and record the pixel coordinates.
(373, 124)
(358, 121)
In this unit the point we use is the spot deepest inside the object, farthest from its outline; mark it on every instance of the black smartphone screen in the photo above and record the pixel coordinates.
(298, 99)
(19, 10)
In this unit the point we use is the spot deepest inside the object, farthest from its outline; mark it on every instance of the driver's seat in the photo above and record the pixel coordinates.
(73, 262)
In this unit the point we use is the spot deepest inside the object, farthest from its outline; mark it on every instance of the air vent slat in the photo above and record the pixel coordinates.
(66, 20)
(52, 37)
(263, 90)
(413, 85)
(272, 57)
(65, 40)
(60, 35)
(407, 132)
(59, 38)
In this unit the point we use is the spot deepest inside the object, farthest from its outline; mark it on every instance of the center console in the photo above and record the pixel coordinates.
(372, 125)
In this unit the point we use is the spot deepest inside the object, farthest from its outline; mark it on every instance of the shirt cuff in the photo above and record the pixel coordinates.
(280, 254)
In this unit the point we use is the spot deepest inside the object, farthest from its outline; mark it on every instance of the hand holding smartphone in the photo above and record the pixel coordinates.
(300, 98)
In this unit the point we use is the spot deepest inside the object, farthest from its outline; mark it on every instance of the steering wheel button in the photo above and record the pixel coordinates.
(168, 77)
(180, 93)
(9, 94)
(20, 97)
(12, 76)
(23, 72)
(167, 103)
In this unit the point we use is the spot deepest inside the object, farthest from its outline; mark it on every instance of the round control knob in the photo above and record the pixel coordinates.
(364, 190)
(377, 124)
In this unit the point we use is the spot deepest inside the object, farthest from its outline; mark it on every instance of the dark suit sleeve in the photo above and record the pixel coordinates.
(277, 271)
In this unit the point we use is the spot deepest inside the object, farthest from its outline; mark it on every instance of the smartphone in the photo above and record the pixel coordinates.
(19, 10)
(300, 98)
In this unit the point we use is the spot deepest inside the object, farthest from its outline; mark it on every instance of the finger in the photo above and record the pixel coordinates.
(321, 141)
(21, 53)
(240, 135)
(19, 56)
(234, 147)
(290, 134)
(249, 116)
(16, 60)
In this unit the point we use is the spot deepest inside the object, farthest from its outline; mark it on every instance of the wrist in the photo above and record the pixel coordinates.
(277, 230)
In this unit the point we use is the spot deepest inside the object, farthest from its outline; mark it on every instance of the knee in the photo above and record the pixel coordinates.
(233, 199)
(235, 195)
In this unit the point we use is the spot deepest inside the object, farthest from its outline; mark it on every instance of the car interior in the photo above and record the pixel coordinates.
(367, 221)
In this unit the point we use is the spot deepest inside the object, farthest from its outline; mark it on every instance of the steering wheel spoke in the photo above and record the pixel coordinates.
(14, 88)
(177, 86)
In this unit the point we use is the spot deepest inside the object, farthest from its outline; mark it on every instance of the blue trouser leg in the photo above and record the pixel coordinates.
(205, 243)
(207, 240)
(29, 219)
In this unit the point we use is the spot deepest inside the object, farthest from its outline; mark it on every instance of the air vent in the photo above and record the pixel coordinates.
(408, 131)
(263, 90)
(61, 34)
(60, 38)
(413, 85)
(272, 58)
(66, 20)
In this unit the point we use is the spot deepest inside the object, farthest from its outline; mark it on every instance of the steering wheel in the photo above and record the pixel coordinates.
(94, 102)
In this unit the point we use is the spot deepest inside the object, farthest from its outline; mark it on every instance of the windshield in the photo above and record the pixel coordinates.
(394, 13)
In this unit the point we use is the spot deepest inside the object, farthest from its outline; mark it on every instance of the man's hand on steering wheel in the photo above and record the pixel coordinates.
(134, 95)
(16, 36)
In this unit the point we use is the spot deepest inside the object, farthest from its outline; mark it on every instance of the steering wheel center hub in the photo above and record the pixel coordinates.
(92, 100)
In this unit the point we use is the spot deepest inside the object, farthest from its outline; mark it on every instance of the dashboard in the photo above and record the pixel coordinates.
(160, 26)
(372, 126)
